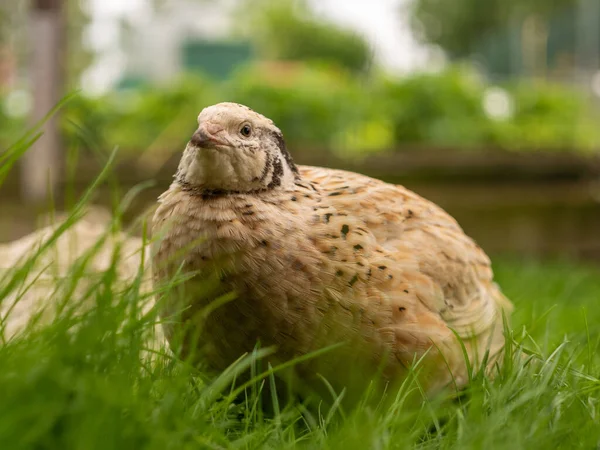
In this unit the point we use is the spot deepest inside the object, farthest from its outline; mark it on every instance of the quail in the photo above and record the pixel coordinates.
(317, 258)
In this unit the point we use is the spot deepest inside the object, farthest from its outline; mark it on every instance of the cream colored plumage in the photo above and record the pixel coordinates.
(39, 295)
(319, 256)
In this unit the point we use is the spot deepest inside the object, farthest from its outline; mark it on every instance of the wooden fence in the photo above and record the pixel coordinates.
(536, 204)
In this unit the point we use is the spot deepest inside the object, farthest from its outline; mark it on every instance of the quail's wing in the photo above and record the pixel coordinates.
(418, 234)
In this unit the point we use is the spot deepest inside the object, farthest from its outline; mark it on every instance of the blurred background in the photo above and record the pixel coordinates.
(490, 109)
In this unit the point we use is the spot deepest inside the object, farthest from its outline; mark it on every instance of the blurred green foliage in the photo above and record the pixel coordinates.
(321, 108)
(437, 109)
(292, 31)
(458, 26)
(10, 128)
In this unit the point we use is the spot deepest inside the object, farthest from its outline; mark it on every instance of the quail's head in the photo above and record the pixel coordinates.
(235, 149)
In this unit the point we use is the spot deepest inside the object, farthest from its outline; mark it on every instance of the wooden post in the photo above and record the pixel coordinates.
(41, 165)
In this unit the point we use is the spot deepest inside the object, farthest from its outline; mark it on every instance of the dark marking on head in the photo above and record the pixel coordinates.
(358, 247)
(293, 198)
(277, 173)
(239, 105)
(353, 280)
(382, 267)
(333, 194)
(406, 291)
(267, 168)
(401, 309)
(326, 217)
(339, 273)
(283, 149)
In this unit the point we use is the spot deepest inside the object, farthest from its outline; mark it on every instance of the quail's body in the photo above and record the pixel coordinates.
(328, 256)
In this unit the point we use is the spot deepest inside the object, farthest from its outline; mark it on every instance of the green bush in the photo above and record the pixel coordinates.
(315, 108)
(324, 108)
(10, 127)
(139, 119)
(549, 116)
(291, 31)
(441, 109)
(448, 110)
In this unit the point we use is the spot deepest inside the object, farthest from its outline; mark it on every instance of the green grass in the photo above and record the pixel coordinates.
(87, 379)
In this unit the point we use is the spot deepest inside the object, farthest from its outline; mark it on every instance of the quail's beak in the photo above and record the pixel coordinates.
(206, 136)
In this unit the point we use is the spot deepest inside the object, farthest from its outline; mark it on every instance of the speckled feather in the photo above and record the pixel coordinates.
(333, 257)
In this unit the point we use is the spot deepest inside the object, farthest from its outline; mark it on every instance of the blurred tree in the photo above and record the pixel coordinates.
(13, 34)
(290, 30)
(458, 25)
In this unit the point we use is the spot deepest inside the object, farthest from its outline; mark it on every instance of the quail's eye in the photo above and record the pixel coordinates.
(246, 130)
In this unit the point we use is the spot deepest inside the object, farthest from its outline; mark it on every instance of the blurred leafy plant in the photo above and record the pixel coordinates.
(440, 109)
(323, 108)
(312, 105)
(548, 116)
(290, 30)
(458, 26)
